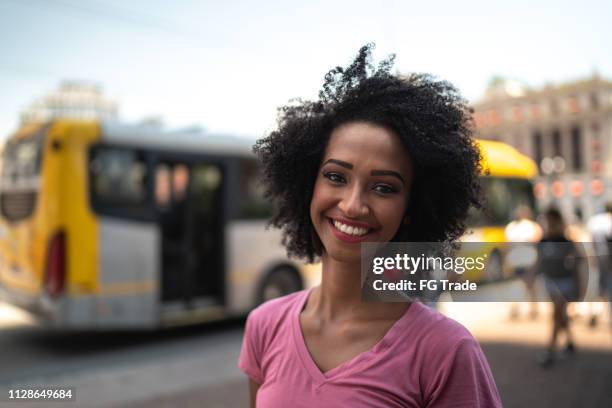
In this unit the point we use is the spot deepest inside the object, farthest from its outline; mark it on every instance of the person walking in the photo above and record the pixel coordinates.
(600, 227)
(524, 232)
(559, 261)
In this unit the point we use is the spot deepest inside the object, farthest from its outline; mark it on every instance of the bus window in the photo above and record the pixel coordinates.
(118, 177)
(253, 204)
(502, 197)
(162, 186)
(21, 162)
(206, 182)
(180, 182)
(118, 182)
(22, 159)
(171, 184)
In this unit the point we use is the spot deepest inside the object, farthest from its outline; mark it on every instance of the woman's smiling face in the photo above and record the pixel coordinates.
(361, 191)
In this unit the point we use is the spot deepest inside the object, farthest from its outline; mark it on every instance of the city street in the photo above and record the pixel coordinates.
(196, 367)
(114, 368)
(170, 163)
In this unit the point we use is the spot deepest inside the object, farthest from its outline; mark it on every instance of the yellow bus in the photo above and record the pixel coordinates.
(108, 225)
(507, 184)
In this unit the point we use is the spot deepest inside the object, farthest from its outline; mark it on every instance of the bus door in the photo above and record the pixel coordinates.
(189, 205)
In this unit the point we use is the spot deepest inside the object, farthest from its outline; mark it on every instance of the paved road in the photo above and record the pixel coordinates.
(195, 367)
(115, 368)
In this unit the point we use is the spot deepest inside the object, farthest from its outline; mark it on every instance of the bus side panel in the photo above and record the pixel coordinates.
(76, 220)
(77, 215)
(129, 273)
(251, 252)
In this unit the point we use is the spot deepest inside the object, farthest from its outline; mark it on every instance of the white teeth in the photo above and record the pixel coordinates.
(350, 230)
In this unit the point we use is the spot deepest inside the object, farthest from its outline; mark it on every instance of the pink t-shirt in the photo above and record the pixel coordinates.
(424, 360)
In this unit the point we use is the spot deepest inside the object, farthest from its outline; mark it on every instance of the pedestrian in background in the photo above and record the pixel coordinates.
(559, 261)
(600, 227)
(524, 231)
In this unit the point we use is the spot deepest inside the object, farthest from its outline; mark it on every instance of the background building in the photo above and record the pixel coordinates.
(74, 100)
(566, 129)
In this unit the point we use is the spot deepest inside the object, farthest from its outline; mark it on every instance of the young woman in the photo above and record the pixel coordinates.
(377, 158)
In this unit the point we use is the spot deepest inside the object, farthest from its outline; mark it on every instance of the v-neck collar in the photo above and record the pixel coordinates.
(346, 367)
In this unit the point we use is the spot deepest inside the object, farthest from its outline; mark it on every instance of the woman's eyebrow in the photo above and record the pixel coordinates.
(388, 173)
(340, 163)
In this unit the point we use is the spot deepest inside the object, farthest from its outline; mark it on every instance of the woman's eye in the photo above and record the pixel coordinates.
(384, 189)
(334, 177)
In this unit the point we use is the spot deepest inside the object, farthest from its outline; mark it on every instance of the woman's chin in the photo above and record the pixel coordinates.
(345, 255)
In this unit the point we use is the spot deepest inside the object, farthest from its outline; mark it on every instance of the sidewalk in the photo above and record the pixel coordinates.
(513, 347)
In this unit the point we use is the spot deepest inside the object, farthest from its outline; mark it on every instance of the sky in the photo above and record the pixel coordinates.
(227, 66)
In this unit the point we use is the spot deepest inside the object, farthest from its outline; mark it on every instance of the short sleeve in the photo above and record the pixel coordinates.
(250, 355)
(465, 380)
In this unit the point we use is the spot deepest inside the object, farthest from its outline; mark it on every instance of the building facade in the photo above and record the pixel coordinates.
(74, 100)
(565, 129)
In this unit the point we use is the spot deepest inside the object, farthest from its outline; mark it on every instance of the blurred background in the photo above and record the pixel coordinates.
(132, 239)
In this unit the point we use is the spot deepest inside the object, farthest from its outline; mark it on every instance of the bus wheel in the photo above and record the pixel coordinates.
(494, 267)
(279, 282)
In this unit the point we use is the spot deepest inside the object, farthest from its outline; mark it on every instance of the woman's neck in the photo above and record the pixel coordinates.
(339, 296)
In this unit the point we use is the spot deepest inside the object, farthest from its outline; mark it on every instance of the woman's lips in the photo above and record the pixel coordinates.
(347, 237)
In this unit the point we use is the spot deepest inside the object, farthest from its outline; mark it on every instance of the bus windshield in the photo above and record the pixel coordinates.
(21, 160)
(503, 196)
(21, 165)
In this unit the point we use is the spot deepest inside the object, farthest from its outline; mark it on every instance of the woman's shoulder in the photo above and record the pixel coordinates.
(277, 311)
(451, 365)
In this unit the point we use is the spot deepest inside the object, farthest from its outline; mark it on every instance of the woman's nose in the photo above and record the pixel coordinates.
(354, 204)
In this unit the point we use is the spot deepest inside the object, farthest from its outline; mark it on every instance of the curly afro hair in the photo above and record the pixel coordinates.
(430, 117)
